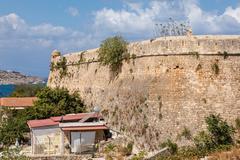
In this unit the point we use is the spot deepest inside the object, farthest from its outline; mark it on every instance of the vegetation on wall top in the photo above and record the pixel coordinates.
(112, 52)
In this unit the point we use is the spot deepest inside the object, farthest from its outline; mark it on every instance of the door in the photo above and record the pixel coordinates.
(75, 142)
(87, 141)
(82, 141)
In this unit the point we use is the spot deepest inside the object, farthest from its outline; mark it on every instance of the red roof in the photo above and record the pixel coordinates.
(74, 117)
(41, 123)
(52, 121)
(17, 101)
(85, 128)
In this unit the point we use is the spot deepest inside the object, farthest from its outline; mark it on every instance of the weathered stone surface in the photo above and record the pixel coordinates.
(174, 82)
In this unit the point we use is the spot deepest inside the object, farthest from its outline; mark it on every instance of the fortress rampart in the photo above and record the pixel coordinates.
(168, 84)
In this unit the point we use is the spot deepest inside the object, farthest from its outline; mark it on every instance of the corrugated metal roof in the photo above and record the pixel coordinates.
(41, 123)
(17, 101)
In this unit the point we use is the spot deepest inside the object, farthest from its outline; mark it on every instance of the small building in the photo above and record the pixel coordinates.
(69, 134)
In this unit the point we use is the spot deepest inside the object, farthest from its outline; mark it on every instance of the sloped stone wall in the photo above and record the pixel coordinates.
(173, 82)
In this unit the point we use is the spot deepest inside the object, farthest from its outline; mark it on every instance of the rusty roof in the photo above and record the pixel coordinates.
(17, 101)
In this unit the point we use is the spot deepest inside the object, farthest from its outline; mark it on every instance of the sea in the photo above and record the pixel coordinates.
(6, 90)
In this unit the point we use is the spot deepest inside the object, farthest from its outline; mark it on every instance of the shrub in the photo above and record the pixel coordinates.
(183, 153)
(81, 57)
(134, 56)
(109, 148)
(139, 156)
(218, 138)
(196, 54)
(62, 66)
(219, 135)
(199, 66)
(215, 68)
(173, 148)
(126, 150)
(225, 55)
(129, 148)
(131, 70)
(203, 141)
(52, 66)
(186, 133)
(219, 130)
(112, 51)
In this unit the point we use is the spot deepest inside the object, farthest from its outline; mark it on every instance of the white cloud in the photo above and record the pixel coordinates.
(12, 25)
(211, 23)
(73, 11)
(235, 13)
(139, 20)
(134, 6)
(23, 46)
(15, 32)
(48, 30)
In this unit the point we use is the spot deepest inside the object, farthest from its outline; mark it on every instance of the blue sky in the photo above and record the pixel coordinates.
(30, 30)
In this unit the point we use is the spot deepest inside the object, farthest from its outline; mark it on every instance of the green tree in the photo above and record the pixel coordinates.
(112, 52)
(55, 102)
(219, 130)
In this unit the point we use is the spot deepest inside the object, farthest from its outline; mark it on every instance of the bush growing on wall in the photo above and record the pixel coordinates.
(112, 52)
(215, 68)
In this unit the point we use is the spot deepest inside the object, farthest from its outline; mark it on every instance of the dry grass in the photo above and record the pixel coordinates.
(233, 154)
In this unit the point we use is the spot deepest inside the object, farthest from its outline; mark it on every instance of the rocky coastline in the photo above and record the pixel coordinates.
(13, 77)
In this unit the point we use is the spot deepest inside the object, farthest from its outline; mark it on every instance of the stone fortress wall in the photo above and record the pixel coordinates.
(168, 84)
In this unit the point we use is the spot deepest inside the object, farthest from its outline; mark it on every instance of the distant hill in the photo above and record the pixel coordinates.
(13, 77)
